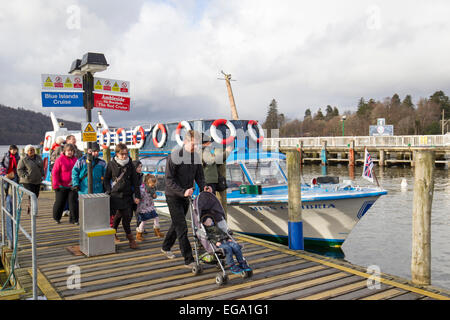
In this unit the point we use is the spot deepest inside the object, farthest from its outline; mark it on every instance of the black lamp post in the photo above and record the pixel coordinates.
(87, 66)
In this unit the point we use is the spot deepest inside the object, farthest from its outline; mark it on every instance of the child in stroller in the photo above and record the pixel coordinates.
(222, 240)
(212, 234)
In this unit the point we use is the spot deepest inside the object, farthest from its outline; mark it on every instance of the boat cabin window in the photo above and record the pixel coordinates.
(156, 166)
(235, 176)
(266, 173)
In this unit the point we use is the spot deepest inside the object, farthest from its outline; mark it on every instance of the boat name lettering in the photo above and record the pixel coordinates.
(304, 207)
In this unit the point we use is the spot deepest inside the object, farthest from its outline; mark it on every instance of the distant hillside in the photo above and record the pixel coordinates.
(21, 126)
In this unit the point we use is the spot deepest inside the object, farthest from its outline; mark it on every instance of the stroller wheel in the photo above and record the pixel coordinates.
(221, 279)
(197, 269)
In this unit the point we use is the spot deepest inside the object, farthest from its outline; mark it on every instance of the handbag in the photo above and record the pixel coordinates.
(221, 184)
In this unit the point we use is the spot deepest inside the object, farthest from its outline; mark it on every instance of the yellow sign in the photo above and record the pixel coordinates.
(89, 128)
(98, 85)
(115, 87)
(89, 137)
(68, 83)
(48, 82)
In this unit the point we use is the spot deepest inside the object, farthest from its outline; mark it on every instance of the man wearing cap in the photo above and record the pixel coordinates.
(79, 172)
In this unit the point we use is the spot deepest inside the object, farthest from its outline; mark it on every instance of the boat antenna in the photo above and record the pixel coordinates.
(227, 79)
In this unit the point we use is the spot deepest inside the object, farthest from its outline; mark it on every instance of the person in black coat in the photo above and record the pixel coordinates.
(121, 183)
(183, 168)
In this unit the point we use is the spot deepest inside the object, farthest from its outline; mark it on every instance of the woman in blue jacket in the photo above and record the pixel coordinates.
(79, 172)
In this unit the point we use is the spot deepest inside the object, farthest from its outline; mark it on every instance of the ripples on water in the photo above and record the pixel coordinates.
(383, 236)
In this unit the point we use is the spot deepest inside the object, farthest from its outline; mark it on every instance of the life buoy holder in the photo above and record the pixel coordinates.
(182, 124)
(156, 128)
(215, 136)
(142, 132)
(47, 143)
(124, 136)
(108, 139)
(252, 132)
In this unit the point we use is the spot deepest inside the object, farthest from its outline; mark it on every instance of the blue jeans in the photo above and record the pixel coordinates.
(231, 247)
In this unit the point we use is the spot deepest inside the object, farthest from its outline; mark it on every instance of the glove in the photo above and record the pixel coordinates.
(75, 188)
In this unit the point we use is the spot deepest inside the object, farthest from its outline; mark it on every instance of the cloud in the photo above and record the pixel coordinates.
(303, 54)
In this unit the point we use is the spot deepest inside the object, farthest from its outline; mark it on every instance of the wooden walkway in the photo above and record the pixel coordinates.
(279, 273)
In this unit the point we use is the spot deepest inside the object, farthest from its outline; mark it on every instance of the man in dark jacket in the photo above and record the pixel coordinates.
(183, 167)
(121, 182)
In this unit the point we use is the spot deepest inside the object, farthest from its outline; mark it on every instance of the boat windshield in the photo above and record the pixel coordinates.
(267, 172)
(153, 164)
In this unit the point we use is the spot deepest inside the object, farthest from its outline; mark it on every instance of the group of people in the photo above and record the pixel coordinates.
(130, 190)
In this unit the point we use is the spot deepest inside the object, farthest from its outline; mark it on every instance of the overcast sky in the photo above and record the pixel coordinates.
(304, 54)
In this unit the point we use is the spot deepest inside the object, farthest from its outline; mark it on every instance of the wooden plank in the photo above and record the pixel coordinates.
(297, 286)
(384, 295)
(253, 283)
(12, 294)
(118, 286)
(407, 296)
(46, 288)
(336, 291)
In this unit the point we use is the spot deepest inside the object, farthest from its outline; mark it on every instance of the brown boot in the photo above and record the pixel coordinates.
(139, 236)
(133, 244)
(158, 233)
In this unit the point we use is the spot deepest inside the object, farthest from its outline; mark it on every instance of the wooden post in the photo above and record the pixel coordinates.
(421, 225)
(351, 154)
(107, 155)
(300, 151)
(134, 154)
(222, 195)
(295, 224)
(381, 162)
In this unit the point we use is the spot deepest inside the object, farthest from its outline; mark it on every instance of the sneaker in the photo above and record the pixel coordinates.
(244, 266)
(66, 213)
(235, 269)
(168, 254)
(190, 265)
(58, 222)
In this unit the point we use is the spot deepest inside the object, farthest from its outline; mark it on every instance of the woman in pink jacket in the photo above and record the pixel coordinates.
(62, 184)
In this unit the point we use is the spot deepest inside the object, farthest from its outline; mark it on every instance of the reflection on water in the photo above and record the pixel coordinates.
(383, 236)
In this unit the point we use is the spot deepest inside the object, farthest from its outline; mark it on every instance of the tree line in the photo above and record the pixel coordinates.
(406, 117)
(20, 126)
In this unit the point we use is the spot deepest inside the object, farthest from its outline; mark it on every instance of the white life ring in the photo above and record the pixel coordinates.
(161, 127)
(48, 143)
(182, 124)
(252, 132)
(215, 136)
(124, 136)
(108, 139)
(135, 132)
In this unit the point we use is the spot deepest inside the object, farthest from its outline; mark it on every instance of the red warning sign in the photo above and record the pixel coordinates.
(113, 102)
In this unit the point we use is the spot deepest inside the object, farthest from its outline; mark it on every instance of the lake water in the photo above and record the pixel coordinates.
(383, 236)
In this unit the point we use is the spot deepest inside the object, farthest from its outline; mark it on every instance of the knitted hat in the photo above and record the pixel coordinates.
(28, 147)
(95, 146)
(60, 140)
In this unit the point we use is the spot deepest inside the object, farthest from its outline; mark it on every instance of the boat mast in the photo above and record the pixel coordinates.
(227, 79)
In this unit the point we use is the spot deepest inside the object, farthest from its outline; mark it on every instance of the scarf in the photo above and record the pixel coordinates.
(122, 162)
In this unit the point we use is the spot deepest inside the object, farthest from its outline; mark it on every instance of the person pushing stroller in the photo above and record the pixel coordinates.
(222, 240)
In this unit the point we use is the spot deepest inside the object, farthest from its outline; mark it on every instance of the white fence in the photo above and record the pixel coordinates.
(362, 141)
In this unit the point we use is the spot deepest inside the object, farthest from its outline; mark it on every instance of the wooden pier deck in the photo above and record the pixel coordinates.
(279, 273)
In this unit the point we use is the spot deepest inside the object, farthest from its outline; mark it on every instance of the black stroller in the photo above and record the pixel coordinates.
(205, 250)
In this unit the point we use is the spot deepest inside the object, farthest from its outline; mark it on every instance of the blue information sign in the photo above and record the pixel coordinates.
(62, 99)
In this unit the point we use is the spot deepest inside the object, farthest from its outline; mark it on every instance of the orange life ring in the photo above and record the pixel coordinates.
(252, 133)
(156, 128)
(216, 137)
(142, 132)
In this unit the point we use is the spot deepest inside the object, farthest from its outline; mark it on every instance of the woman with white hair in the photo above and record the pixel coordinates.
(31, 170)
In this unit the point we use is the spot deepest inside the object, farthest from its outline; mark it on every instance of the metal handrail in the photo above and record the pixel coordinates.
(367, 141)
(33, 213)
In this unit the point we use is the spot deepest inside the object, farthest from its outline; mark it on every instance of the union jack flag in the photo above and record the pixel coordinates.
(368, 167)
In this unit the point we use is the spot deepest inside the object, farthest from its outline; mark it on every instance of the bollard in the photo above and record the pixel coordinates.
(107, 155)
(295, 224)
(421, 225)
(381, 162)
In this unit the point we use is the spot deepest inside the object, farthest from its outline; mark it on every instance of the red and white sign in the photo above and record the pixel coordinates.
(61, 82)
(119, 87)
(113, 102)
